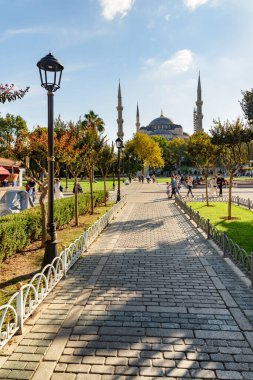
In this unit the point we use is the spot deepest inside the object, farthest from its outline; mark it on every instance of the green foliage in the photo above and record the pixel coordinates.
(147, 151)
(247, 105)
(19, 230)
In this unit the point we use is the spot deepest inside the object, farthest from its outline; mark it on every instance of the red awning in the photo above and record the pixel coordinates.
(4, 171)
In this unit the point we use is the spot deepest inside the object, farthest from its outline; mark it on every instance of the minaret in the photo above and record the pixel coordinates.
(199, 103)
(137, 119)
(120, 120)
(194, 119)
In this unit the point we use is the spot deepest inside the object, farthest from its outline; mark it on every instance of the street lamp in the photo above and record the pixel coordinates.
(129, 157)
(50, 75)
(119, 145)
(123, 163)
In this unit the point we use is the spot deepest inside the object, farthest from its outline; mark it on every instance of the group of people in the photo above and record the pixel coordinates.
(31, 189)
(172, 188)
(148, 178)
(216, 184)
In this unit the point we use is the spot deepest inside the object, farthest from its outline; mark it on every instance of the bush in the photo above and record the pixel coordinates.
(19, 230)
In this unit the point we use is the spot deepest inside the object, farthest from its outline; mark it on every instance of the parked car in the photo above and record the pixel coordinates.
(14, 201)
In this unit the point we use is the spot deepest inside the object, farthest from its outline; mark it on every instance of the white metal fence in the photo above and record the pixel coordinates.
(23, 303)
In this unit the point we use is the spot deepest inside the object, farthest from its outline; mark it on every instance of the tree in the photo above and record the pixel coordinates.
(35, 147)
(8, 93)
(177, 151)
(203, 154)
(93, 127)
(247, 105)
(72, 150)
(105, 162)
(234, 139)
(147, 151)
(12, 128)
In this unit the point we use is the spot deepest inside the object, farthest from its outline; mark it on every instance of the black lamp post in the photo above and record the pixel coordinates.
(129, 157)
(50, 75)
(119, 144)
(123, 163)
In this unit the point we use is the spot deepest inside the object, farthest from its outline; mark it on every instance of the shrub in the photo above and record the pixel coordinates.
(19, 230)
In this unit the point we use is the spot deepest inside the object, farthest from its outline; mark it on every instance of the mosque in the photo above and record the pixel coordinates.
(164, 126)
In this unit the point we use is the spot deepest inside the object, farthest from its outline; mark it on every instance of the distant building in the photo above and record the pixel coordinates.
(162, 126)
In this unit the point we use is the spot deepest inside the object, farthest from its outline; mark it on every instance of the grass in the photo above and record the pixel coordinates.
(22, 266)
(99, 185)
(240, 231)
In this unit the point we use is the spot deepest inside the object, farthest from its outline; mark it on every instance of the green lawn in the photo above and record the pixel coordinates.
(99, 185)
(240, 231)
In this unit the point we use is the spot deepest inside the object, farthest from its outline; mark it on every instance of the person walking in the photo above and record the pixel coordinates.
(142, 178)
(213, 186)
(58, 194)
(32, 188)
(168, 189)
(189, 183)
(220, 183)
(173, 186)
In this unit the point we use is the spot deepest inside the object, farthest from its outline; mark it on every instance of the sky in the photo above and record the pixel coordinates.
(155, 47)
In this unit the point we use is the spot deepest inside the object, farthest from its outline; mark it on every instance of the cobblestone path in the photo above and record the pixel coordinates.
(152, 299)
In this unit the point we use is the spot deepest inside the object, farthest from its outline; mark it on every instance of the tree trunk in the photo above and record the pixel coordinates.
(43, 213)
(91, 192)
(207, 201)
(76, 202)
(105, 191)
(230, 196)
(67, 175)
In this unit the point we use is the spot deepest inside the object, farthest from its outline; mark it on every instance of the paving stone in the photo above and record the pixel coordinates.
(63, 376)
(107, 369)
(20, 375)
(78, 368)
(203, 374)
(229, 375)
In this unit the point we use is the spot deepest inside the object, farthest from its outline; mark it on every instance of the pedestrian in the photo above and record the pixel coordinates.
(142, 178)
(173, 186)
(58, 189)
(168, 189)
(220, 182)
(153, 178)
(31, 184)
(79, 188)
(139, 178)
(189, 183)
(213, 186)
(148, 178)
(130, 178)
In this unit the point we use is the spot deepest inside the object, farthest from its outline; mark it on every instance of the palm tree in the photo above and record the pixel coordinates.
(93, 127)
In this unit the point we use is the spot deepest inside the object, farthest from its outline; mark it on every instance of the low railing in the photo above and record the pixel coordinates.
(23, 303)
(227, 245)
(248, 203)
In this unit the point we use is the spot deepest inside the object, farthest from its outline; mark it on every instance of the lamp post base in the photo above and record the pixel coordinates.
(50, 252)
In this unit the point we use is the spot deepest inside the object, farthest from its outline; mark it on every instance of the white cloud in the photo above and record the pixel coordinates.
(114, 8)
(181, 61)
(15, 32)
(193, 4)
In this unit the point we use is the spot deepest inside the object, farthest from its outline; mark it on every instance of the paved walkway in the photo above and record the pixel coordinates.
(151, 299)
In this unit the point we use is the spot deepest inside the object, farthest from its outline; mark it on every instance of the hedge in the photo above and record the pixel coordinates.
(19, 230)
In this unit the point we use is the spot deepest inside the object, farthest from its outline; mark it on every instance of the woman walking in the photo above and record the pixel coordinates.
(189, 183)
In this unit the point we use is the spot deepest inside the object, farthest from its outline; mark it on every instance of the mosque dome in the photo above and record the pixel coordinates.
(163, 126)
(162, 120)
